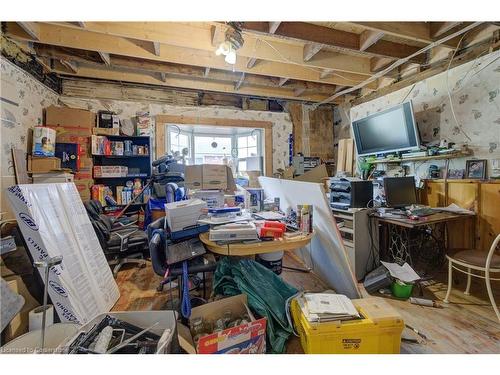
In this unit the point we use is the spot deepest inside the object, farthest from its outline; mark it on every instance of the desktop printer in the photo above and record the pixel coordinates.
(348, 193)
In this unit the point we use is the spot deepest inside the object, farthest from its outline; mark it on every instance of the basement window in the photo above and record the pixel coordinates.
(240, 148)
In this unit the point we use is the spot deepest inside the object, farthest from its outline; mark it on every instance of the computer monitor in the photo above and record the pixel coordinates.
(400, 191)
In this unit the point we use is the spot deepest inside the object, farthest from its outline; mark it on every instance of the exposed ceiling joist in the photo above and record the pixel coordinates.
(240, 82)
(368, 38)
(439, 28)
(334, 38)
(311, 49)
(80, 39)
(379, 63)
(31, 28)
(207, 37)
(273, 26)
(325, 74)
(217, 35)
(174, 69)
(108, 73)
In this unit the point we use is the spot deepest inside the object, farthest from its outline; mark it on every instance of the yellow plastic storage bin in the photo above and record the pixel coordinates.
(379, 332)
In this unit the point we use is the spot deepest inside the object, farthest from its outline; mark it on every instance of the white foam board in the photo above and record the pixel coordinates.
(325, 254)
(54, 222)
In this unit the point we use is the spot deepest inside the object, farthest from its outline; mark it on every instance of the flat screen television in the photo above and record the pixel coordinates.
(388, 131)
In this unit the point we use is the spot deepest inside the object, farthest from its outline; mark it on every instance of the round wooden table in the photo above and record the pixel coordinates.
(262, 247)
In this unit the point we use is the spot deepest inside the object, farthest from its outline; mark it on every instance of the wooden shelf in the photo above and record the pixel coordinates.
(122, 156)
(451, 155)
(346, 230)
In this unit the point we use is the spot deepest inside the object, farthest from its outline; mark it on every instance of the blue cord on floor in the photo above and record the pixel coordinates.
(186, 300)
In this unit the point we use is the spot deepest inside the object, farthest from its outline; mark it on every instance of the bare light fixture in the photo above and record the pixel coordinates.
(232, 42)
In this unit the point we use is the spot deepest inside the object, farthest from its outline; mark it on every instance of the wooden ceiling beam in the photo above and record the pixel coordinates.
(368, 38)
(31, 28)
(311, 33)
(439, 28)
(108, 73)
(80, 39)
(379, 63)
(208, 36)
(177, 69)
(311, 49)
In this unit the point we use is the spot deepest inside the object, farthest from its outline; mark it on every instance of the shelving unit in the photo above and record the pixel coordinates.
(451, 155)
(141, 162)
(356, 237)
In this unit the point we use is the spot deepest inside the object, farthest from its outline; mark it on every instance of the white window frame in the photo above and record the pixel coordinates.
(171, 128)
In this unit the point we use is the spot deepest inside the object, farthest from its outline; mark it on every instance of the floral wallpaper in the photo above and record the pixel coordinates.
(22, 99)
(475, 93)
(282, 124)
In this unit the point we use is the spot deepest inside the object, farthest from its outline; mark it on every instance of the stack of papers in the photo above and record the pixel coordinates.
(326, 307)
(404, 273)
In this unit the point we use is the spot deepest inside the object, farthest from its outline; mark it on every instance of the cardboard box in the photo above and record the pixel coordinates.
(52, 177)
(166, 321)
(85, 164)
(82, 141)
(110, 171)
(106, 131)
(208, 177)
(214, 176)
(249, 338)
(43, 165)
(183, 214)
(64, 116)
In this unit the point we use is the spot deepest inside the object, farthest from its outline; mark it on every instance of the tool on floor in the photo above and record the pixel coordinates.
(416, 331)
(47, 264)
(424, 302)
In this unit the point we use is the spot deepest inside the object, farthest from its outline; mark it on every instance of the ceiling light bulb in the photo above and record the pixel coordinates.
(231, 57)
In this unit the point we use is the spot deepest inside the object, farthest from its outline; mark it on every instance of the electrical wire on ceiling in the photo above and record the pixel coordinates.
(398, 63)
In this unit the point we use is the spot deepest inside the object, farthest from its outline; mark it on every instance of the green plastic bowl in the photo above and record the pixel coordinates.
(400, 289)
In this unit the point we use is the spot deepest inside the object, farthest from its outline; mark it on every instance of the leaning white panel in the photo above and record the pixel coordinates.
(326, 253)
(54, 222)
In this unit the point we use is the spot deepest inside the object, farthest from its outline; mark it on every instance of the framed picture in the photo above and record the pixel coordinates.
(475, 169)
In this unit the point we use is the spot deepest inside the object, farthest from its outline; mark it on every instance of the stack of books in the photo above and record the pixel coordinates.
(327, 307)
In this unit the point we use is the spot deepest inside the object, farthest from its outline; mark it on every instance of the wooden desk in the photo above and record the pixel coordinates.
(405, 235)
(242, 249)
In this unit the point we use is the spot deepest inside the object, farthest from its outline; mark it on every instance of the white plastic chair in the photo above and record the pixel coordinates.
(479, 261)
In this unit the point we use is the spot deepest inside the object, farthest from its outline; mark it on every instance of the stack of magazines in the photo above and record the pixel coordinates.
(327, 307)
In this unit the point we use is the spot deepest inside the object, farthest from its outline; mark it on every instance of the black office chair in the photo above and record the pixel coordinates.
(158, 242)
(122, 242)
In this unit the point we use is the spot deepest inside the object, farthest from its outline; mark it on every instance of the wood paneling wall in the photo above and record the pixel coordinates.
(312, 130)
(482, 197)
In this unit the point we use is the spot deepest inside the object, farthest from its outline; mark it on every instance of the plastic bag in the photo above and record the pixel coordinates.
(266, 292)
